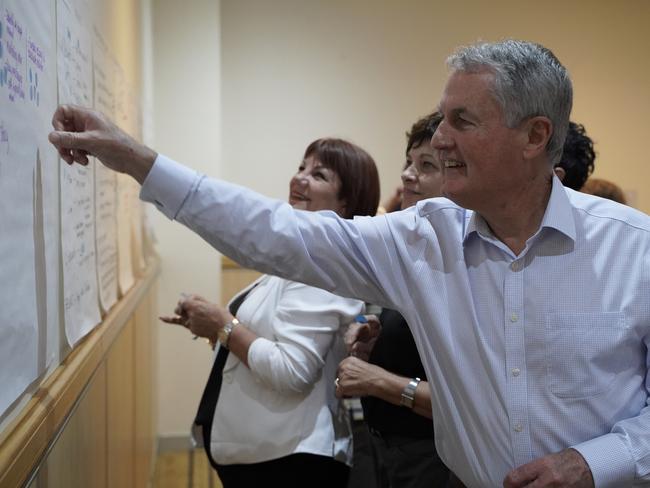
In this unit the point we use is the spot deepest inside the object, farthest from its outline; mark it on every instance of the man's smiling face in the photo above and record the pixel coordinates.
(480, 156)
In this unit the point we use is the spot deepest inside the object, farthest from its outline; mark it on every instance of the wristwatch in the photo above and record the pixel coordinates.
(224, 333)
(408, 394)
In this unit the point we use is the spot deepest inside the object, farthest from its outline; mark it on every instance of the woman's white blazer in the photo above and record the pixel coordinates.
(285, 402)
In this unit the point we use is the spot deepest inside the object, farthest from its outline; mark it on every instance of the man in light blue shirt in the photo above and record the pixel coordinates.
(529, 302)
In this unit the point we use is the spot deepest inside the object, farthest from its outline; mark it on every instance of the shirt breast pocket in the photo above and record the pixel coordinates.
(581, 354)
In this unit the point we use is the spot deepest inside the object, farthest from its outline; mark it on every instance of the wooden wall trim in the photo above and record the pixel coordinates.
(227, 263)
(24, 441)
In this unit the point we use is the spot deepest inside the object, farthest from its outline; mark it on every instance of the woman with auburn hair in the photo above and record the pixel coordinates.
(269, 413)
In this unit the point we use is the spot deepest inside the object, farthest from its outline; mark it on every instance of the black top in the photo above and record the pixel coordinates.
(395, 351)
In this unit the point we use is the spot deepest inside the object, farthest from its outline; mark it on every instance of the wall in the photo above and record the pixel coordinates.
(186, 122)
(365, 70)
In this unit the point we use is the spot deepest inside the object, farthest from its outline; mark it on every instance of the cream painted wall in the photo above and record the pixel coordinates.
(119, 22)
(186, 102)
(366, 69)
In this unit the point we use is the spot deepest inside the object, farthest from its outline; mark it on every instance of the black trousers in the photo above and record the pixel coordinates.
(392, 461)
(294, 471)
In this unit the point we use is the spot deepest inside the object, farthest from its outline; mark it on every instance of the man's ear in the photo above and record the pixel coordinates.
(538, 132)
(559, 172)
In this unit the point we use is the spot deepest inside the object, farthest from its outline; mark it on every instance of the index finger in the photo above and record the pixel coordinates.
(62, 118)
(173, 320)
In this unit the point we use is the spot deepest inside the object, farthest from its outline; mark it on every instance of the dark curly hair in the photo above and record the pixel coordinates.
(578, 157)
(422, 130)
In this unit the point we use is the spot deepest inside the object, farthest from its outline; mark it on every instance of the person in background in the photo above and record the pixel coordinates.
(578, 156)
(604, 189)
(277, 419)
(527, 389)
(384, 366)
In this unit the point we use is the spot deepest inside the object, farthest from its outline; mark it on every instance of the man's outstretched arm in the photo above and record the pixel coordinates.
(317, 248)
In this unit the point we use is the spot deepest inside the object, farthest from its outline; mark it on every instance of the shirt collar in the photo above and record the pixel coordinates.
(558, 216)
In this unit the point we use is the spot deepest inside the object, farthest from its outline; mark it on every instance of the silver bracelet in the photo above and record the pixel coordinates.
(408, 394)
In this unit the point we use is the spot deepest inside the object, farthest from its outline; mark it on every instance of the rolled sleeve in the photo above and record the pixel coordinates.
(269, 366)
(168, 185)
(305, 323)
(611, 463)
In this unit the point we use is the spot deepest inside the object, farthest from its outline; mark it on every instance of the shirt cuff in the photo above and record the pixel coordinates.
(168, 185)
(609, 459)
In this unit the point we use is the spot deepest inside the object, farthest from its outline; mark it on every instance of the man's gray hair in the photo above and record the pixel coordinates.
(528, 81)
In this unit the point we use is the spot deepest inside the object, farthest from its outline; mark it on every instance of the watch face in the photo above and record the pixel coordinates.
(224, 334)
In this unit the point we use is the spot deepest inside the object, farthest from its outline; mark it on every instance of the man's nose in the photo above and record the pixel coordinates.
(441, 138)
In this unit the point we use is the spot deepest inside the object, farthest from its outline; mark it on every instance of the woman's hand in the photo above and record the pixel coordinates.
(361, 336)
(358, 378)
(202, 318)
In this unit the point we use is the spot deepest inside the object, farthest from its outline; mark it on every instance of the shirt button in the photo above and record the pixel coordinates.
(514, 266)
(514, 317)
(516, 372)
(227, 377)
(519, 427)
